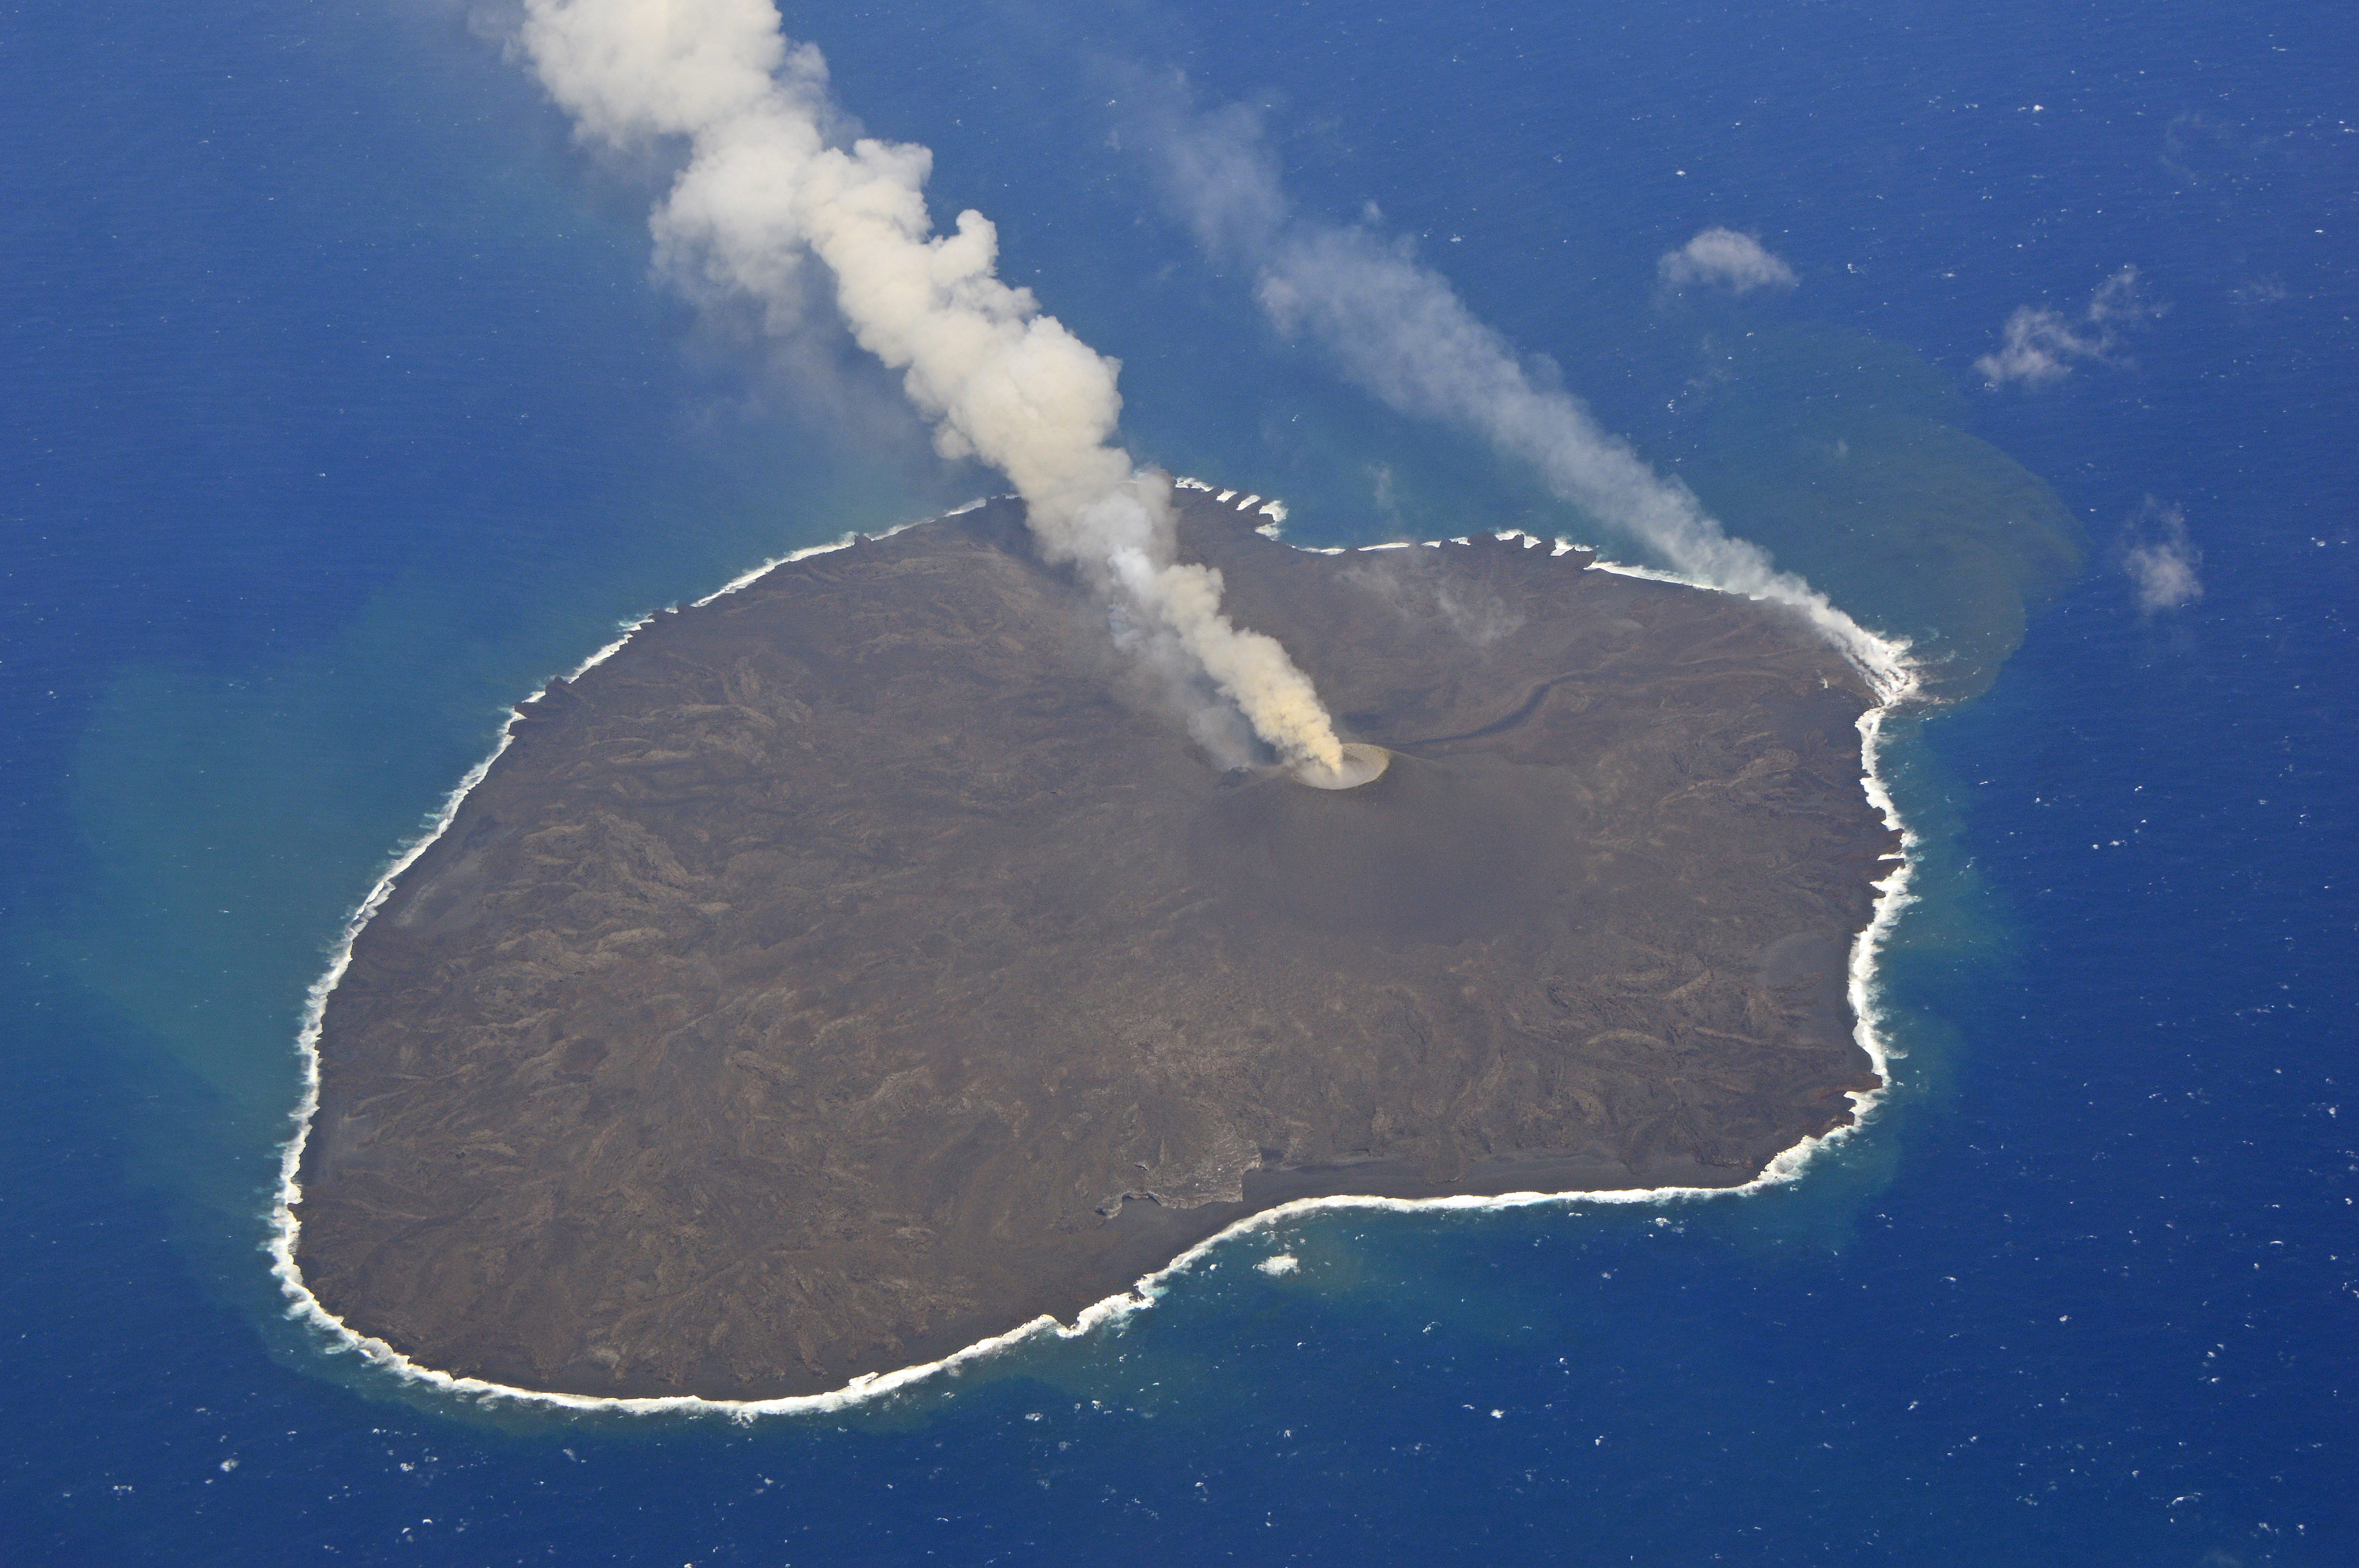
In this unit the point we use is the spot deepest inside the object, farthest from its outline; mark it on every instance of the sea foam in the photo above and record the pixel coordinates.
(1883, 662)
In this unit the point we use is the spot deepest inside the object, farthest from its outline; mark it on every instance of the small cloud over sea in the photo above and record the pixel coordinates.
(2038, 347)
(1723, 256)
(2159, 559)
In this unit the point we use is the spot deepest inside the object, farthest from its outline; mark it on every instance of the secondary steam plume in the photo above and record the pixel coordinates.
(1400, 331)
(765, 184)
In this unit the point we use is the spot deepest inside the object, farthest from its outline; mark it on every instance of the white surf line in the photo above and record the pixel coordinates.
(744, 578)
(1274, 510)
(1862, 989)
(1882, 661)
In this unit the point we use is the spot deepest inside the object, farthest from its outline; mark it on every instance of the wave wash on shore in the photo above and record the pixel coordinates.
(767, 185)
(1895, 682)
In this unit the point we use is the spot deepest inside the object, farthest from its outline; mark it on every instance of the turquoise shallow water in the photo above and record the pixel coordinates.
(346, 413)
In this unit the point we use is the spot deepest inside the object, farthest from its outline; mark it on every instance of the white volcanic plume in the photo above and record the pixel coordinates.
(1397, 328)
(764, 185)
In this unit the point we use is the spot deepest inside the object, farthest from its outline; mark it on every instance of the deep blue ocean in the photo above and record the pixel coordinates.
(340, 411)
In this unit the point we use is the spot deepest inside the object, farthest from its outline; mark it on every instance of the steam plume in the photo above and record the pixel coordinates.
(1400, 331)
(765, 185)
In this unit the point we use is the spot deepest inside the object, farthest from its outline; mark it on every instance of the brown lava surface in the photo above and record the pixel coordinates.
(867, 962)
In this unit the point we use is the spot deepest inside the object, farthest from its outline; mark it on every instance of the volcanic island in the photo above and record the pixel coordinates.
(867, 961)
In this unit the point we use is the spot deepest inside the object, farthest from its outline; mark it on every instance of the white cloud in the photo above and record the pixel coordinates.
(2160, 560)
(1723, 256)
(2040, 346)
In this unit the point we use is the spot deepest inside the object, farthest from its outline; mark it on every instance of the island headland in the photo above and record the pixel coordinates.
(869, 960)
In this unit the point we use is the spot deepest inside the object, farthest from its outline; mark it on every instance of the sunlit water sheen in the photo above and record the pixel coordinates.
(343, 414)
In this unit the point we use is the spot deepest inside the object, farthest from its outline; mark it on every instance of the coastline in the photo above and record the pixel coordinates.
(1882, 662)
